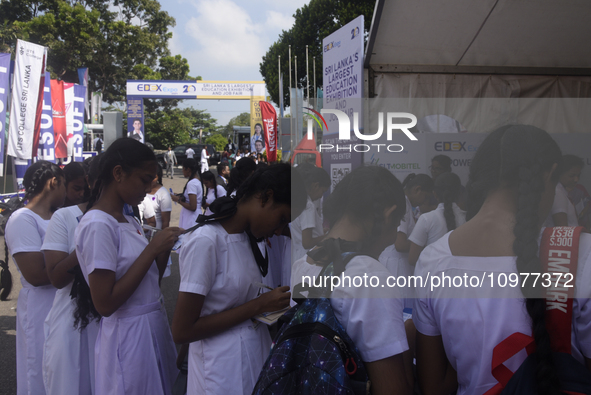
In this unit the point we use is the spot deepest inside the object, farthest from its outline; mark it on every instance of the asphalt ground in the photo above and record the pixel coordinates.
(169, 286)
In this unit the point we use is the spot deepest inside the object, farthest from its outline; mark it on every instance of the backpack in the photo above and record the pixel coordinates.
(312, 353)
(574, 377)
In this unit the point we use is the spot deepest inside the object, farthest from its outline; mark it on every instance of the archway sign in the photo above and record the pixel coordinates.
(138, 90)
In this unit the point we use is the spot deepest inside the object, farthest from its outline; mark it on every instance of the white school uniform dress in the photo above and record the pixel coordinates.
(371, 316)
(211, 196)
(25, 232)
(397, 262)
(204, 158)
(309, 218)
(562, 204)
(146, 208)
(68, 356)
(221, 267)
(161, 202)
(187, 218)
(134, 352)
(472, 321)
(431, 226)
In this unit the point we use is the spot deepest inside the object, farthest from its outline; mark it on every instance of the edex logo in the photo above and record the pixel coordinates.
(155, 88)
(345, 131)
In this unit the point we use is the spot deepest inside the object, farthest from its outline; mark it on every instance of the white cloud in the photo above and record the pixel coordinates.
(277, 21)
(225, 34)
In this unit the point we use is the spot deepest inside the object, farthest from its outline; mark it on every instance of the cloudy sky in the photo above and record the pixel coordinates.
(225, 40)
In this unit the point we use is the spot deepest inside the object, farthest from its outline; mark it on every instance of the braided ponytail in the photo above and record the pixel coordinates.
(447, 189)
(37, 176)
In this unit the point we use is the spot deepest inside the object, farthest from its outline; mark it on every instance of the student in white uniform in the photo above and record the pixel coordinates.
(446, 217)
(190, 199)
(45, 190)
(563, 211)
(161, 201)
(204, 162)
(134, 352)
(418, 188)
(68, 356)
(212, 190)
(239, 173)
(75, 183)
(372, 316)
(307, 229)
(511, 187)
(219, 285)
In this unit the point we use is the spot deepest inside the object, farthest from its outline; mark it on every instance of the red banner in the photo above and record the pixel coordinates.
(270, 130)
(58, 105)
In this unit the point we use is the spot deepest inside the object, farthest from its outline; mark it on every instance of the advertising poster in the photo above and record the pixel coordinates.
(135, 118)
(78, 122)
(256, 123)
(342, 63)
(269, 144)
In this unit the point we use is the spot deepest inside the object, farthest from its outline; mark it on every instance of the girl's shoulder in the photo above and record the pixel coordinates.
(24, 216)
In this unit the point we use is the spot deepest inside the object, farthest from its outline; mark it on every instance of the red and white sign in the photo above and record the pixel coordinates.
(270, 130)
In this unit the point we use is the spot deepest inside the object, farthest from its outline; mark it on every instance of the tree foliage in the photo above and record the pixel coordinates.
(218, 141)
(242, 119)
(313, 22)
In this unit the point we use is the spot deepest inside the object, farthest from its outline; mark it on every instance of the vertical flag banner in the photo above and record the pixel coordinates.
(78, 122)
(270, 129)
(4, 90)
(58, 107)
(255, 115)
(29, 69)
(69, 101)
(46, 149)
(83, 77)
(19, 168)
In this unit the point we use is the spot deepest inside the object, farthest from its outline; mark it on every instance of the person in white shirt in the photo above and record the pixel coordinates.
(190, 153)
(192, 195)
(204, 158)
(212, 191)
(171, 162)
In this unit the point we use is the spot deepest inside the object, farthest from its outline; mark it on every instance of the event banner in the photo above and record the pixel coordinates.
(234, 90)
(58, 108)
(270, 129)
(4, 89)
(256, 122)
(135, 118)
(46, 149)
(29, 69)
(78, 122)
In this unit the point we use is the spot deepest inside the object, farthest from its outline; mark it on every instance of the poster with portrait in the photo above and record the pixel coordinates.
(135, 118)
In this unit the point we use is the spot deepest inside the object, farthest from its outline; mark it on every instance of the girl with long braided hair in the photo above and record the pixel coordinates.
(134, 352)
(45, 191)
(510, 193)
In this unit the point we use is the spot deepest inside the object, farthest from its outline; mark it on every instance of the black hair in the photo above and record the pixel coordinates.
(73, 171)
(311, 174)
(190, 164)
(444, 161)
(220, 167)
(37, 175)
(568, 162)
(421, 180)
(519, 156)
(129, 154)
(349, 197)
(447, 189)
(208, 176)
(240, 172)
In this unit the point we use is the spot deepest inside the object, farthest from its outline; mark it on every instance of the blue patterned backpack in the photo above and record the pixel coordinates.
(312, 353)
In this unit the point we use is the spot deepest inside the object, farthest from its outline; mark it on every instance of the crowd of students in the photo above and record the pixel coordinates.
(90, 317)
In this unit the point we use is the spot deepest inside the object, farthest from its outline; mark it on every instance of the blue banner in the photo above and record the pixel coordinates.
(4, 90)
(79, 100)
(46, 150)
(135, 118)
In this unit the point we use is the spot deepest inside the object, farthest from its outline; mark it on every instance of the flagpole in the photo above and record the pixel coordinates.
(307, 75)
(290, 107)
(314, 89)
(297, 114)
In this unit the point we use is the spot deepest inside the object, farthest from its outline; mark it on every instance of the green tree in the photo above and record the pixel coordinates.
(217, 140)
(313, 22)
(242, 119)
(109, 37)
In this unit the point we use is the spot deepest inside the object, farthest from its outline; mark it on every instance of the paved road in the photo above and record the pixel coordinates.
(8, 308)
